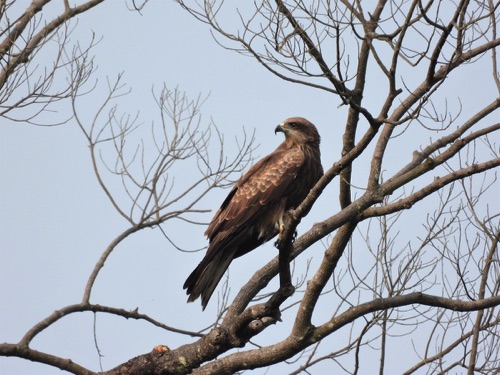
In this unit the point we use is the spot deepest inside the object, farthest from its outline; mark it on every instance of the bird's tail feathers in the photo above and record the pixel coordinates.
(204, 279)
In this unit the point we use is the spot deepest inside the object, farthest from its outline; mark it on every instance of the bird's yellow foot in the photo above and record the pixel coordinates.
(281, 231)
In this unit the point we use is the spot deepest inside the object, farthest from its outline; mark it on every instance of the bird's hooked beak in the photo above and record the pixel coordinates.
(280, 128)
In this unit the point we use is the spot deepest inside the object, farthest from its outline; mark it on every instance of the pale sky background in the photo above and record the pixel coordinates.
(56, 222)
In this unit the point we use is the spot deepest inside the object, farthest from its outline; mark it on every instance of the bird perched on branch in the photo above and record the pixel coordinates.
(253, 212)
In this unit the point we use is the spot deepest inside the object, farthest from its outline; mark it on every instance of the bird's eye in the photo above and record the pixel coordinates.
(292, 124)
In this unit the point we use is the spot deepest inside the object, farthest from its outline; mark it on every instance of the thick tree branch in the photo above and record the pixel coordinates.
(436, 185)
(292, 345)
(398, 301)
(25, 352)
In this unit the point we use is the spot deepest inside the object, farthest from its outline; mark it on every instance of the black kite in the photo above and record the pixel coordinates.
(253, 211)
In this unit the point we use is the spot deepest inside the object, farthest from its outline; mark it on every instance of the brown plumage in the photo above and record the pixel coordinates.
(253, 211)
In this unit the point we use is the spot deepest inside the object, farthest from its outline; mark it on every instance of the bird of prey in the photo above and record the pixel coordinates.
(253, 212)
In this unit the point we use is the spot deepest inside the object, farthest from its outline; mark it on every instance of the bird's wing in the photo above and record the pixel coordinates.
(263, 185)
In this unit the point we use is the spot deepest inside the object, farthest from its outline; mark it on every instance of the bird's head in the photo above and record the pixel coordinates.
(299, 130)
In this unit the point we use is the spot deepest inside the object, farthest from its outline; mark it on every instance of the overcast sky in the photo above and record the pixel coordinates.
(56, 221)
